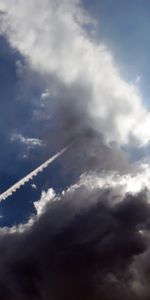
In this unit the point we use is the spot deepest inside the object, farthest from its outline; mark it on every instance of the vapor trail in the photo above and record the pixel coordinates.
(28, 177)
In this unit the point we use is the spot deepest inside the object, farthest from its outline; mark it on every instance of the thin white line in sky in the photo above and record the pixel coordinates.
(30, 176)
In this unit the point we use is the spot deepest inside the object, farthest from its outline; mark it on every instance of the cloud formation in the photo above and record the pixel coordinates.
(91, 240)
(52, 37)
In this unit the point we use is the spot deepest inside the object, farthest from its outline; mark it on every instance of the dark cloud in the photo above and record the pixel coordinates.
(77, 252)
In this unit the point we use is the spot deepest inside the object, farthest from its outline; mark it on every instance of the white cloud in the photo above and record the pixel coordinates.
(80, 194)
(45, 94)
(31, 142)
(88, 190)
(33, 185)
(51, 35)
(41, 204)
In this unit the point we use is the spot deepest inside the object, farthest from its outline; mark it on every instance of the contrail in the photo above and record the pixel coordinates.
(28, 177)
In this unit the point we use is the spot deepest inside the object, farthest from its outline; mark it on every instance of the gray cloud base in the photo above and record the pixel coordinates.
(79, 252)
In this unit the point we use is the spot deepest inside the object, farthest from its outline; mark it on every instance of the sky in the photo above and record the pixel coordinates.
(75, 73)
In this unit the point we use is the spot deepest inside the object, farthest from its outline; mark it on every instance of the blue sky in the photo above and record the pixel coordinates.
(16, 159)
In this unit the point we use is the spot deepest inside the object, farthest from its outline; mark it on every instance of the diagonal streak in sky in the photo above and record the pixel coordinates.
(28, 177)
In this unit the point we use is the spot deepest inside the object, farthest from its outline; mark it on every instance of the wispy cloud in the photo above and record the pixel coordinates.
(31, 142)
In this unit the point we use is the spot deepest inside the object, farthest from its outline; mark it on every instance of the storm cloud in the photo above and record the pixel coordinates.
(84, 244)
